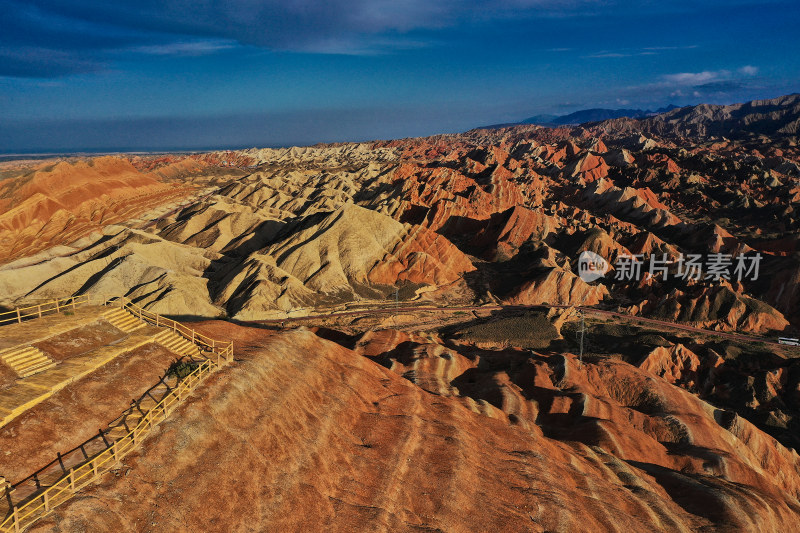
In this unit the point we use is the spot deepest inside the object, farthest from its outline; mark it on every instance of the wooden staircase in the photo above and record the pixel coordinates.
(31, 499)
(123, 320)
(177, 344)
(27, 360)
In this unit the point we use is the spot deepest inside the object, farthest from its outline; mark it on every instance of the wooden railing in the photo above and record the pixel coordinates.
(220, 349)
(37, 311)
(62, 490)
(42, 501)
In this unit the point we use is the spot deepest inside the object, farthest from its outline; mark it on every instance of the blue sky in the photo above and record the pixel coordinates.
(172, 74)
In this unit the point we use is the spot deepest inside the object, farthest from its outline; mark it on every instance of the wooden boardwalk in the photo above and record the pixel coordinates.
(29, 499)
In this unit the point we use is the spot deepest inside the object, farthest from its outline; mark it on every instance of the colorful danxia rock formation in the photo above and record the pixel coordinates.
(487, 422)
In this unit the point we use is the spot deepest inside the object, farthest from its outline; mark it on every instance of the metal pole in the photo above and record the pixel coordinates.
(583, 329)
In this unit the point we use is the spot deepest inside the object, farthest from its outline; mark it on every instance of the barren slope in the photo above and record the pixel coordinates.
(304, 434)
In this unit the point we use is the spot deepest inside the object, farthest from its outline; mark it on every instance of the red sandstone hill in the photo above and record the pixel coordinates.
(303, 434)
(64, 201)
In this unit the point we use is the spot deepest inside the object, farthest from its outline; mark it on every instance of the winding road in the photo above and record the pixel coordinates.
(587, 310)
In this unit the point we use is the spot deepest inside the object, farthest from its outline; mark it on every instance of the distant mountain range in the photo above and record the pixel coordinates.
(592, 115)
(775, 117)
(778, 116)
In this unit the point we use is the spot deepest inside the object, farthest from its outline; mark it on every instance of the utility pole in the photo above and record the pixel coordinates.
(581, 332)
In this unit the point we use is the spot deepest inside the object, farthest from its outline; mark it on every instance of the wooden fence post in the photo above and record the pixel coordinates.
(16, 519)
(19, 317)
(103, 436)
(46, 498)
(72, 479)
(192, 336)
(57, 310)
(6, 488)
(39, 309)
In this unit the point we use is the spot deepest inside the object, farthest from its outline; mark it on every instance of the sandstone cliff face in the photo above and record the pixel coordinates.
(557, 285)
(719, 308)
(676, 364)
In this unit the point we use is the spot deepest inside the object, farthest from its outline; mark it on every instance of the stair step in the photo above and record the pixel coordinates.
(125, 321)
(17, 350)
(175, 342)
(20, 359)
(19, 356)
(22, 354)
(41, 368)
(27, 361)
(30, 357)
(31, 363)
(182, 350)
(8, 351)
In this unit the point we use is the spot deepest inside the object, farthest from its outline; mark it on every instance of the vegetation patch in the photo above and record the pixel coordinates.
(182, 368)
(529, 330)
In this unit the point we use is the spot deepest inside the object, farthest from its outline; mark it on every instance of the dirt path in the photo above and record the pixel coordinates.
(588, 310)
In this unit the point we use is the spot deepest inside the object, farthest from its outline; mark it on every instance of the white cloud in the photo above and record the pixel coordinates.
(186, 48)
(633, 52)
(709, 77)
(695, 78)
(688, 47)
